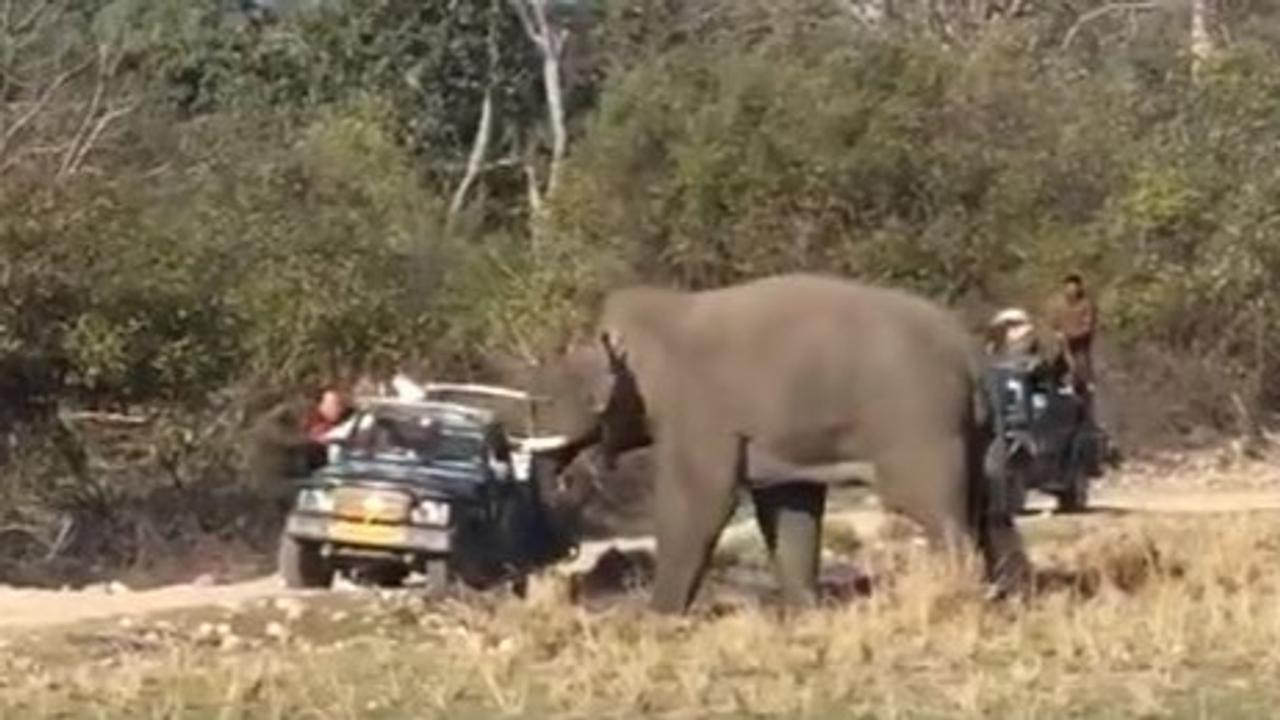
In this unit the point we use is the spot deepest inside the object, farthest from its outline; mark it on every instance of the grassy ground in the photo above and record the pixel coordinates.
(1137, 617)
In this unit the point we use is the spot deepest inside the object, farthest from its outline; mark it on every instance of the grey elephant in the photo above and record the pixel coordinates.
(787, 385)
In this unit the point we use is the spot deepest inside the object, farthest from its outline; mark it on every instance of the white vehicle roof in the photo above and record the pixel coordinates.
(479, 389)
(427, 407)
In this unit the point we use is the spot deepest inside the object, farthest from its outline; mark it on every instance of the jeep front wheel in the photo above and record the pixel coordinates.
(302, 565)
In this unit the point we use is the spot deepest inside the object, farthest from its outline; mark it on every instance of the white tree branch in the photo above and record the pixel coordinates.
(86, 123)
(550, 42)
(96, 133)
(526, 21)
(479, 150)
(36, 107)
(1103, 11)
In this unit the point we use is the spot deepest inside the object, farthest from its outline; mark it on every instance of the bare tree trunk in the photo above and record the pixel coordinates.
(555, 112)
(1203, 46)
(550, 41)
(475, 163)
(484, 127)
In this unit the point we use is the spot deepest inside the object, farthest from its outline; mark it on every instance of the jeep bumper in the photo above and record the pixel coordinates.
(380, 536)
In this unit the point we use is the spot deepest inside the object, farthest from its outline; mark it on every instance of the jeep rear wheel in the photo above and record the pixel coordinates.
(302, 565)
(1017, 485)
(1074, 497)
(1006, 476)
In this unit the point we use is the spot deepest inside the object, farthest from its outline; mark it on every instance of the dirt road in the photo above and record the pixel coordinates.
(26, 609)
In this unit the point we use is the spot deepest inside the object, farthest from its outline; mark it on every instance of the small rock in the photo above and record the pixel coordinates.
(127, 623)
(230, 642)
(205, 631)
(277, 631)
(292, 609)
(205, 580)
(115, 587)
(223, 630)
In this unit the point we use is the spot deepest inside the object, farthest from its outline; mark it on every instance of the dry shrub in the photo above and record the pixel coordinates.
(1183, 616)
(1153, 399)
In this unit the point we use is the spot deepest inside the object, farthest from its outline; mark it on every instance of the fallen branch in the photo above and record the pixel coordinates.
(62, 539)
(108, 418)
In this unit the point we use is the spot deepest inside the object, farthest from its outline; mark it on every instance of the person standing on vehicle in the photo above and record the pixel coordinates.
(1075, 318)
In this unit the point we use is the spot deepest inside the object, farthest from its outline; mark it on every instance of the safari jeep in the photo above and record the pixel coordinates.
(1045, 440)
(417, 486)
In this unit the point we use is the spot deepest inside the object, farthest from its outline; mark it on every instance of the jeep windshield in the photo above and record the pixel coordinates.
(512, 408)
(418, 440)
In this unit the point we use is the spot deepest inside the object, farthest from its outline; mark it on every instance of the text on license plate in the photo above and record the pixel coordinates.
(367, 533)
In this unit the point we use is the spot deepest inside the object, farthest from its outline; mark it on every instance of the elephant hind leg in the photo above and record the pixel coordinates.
(927, 483)
(790, 519)
(693, 499)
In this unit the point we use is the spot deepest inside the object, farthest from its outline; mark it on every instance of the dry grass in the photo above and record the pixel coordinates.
(1137, 618)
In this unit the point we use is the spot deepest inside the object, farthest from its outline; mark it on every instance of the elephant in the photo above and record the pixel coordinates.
(781, 387)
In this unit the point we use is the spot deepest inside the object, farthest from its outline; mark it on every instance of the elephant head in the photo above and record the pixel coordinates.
(597, 403)
(596, 398)
(619, 404)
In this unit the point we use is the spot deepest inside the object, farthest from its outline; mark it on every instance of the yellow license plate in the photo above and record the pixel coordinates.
(367, 533)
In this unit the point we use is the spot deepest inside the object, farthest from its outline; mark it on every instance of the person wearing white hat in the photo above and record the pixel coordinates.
(1011, 332)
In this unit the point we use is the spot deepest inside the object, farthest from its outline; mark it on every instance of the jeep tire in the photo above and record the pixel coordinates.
(302, 565)
(1074, 496)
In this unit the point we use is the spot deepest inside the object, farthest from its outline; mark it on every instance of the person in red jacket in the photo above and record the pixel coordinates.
(328, 412)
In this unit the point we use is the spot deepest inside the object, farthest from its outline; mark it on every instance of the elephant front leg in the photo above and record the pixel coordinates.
(693, 500)
(790, 519)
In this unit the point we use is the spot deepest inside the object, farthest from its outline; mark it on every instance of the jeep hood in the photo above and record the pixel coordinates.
(442, 480)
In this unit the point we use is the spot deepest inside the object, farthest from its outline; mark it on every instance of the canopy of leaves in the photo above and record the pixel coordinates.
(265, 196)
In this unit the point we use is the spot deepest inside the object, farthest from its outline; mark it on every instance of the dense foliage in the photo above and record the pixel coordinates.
(195, 194)
(199, 195)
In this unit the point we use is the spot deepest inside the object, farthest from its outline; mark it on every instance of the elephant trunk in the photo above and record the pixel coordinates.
(563, 479)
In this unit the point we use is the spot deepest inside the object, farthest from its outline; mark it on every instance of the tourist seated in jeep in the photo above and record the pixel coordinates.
(1013, 335)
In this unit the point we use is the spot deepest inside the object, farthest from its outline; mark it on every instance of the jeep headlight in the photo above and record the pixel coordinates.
(315, 500)
(430, 512)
